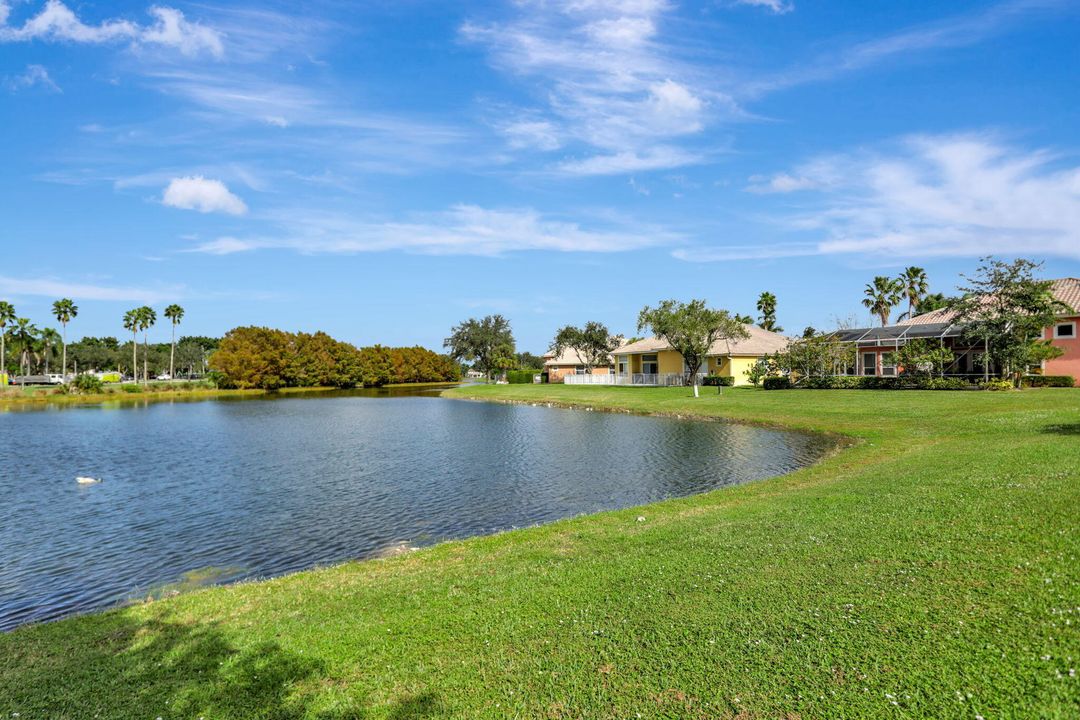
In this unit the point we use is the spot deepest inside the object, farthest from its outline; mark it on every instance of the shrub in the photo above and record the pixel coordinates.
(1049, 381)
(86, 384)
(521, 377)
(131, 388)
(776, 383)
(996, 385)
(947, 384)
(876, 382)
(714, 380)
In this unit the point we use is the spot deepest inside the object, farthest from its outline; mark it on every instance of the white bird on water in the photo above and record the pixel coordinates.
(87, 480)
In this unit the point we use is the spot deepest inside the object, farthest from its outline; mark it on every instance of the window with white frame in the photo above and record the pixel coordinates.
(624, 364)
(650, 364)
(1065, 331)
(888, 363)
(579, 370)
(869, 363)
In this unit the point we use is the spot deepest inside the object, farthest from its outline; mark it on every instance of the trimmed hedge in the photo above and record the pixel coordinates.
(776, 383)
(521, 377)
(714, 380)
(1049, 381)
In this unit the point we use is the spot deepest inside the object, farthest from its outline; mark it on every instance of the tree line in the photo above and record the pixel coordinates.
(269, 359)
(35, 348)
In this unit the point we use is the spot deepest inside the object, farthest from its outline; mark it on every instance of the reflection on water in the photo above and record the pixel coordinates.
(244, 488)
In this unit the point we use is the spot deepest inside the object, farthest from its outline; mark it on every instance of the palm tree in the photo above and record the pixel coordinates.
(882, 296)
(766, 305)
(48, 340)
(131, 324)
(175, 313)
(147, 318)
(7, 315)
(24, 334)
(64, 310)
(914, 287)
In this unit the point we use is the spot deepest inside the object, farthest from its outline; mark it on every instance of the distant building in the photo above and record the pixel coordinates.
(569, 362)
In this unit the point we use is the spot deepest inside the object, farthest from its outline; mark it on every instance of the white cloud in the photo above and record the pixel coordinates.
(461, 230)
(34, 75)
(777, 6)
(654, 158)
(198, 193)
(780, 183)
(932, 195)
(52, 287)
(609, 84)
(57, 22)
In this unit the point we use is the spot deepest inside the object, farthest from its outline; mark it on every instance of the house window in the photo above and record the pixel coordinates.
(624, 365)
(650, 365)
(579, 370)
(1065, 331)
(888, 363)
(869, 363)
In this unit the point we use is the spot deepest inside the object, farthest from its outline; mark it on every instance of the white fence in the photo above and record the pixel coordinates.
(664, 379)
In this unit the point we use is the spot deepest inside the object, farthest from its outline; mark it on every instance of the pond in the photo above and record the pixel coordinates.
(223, 490)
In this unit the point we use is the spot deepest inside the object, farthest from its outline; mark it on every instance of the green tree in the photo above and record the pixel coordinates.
(690, 329)
(1006, 309)
(24, 334)
(932, 302)
(48, 339)
(593, 343)
(766, 305)
(7, 316)
(131, 324)
(914, 288)
(882, 296)
(175, 314)
(64, 310)
(922, 358)
(146, 317)
(528, 361)
(488, 344)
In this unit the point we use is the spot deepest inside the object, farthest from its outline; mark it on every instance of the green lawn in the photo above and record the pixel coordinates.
(930, 570)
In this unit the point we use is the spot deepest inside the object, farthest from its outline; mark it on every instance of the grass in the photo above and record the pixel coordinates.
(929, 570)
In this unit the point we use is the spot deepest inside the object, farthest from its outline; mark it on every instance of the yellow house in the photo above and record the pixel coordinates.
(652, 361)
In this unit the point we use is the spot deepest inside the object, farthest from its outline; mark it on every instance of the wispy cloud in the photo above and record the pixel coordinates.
(56, 22)
(461, 230)
(926, 196)
(609, 83)
(54, 288)
(776, 6)
(202, 194)
(957, 31)
(34, 75)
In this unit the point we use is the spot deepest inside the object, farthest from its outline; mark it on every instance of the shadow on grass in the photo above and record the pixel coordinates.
(117, 666)
(1062, 429)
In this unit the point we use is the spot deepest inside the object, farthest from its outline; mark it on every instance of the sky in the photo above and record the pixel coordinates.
(383, 171)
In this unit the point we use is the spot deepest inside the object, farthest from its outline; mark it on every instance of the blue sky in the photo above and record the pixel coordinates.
(384, 172)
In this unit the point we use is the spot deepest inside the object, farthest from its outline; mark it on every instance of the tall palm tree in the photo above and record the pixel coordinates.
(147, 318)
(7, 316)
(24, 333)
(48, 339)
(882, 296)
(131, 324)
(766, 305)
(175, 313)
(65, 311)
(915, 287)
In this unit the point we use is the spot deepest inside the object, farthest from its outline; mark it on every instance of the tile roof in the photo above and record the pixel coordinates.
(569, 356)
(760, 342)
(1066, 290)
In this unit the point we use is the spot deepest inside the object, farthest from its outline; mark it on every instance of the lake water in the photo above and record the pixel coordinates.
(226, 490)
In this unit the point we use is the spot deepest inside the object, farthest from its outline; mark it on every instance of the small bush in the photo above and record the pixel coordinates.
(996, 385)
(86, 384)
(521, 377)
(1049, 381)
(776, 383)
(714, 380)
(131, 388)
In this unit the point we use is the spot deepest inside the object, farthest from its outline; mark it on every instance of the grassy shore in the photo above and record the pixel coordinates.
(931, 569)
